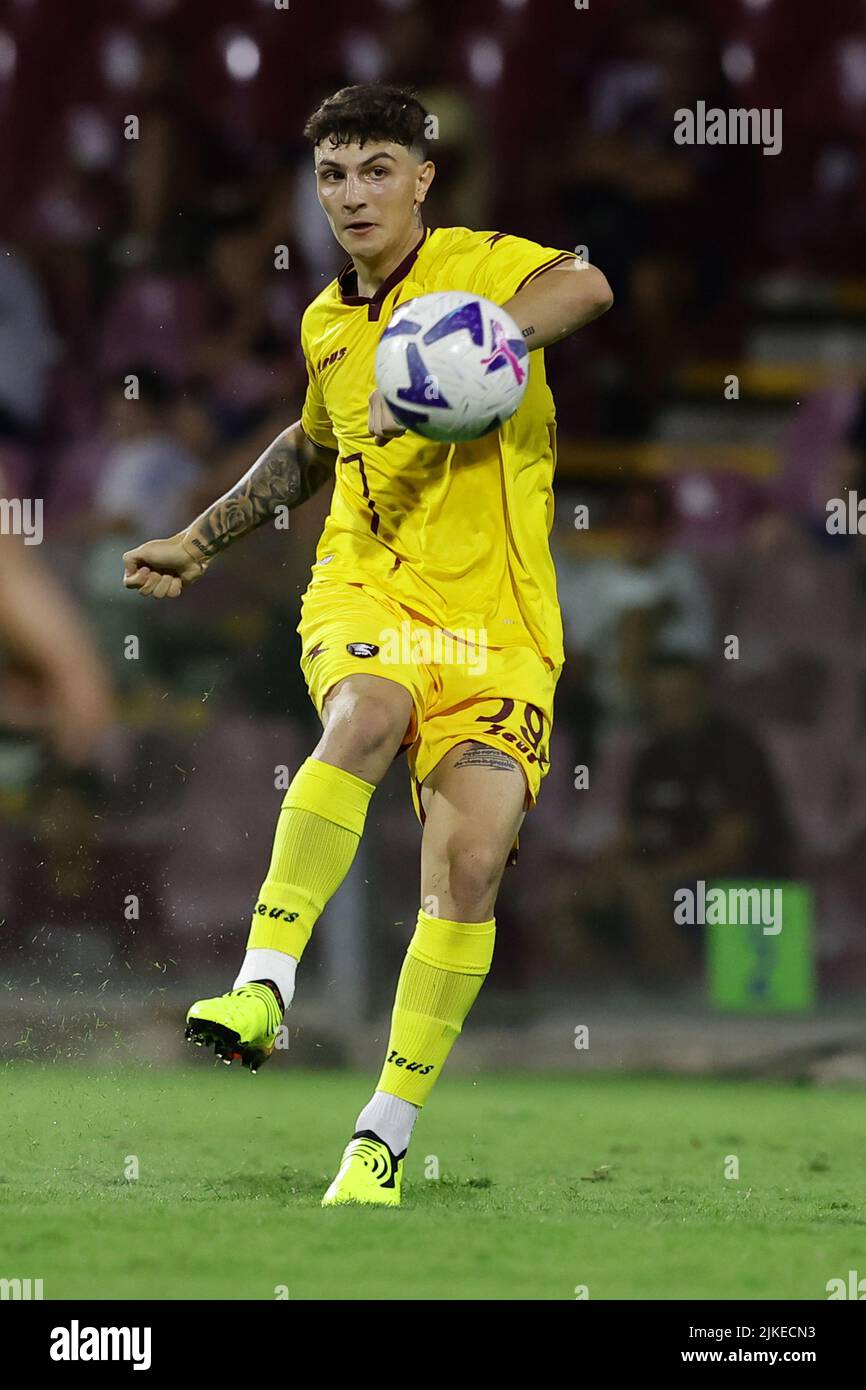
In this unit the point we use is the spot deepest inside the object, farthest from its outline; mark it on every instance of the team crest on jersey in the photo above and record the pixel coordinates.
(361, 648)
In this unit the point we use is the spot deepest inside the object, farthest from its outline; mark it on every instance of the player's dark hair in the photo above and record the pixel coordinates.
(370, 111)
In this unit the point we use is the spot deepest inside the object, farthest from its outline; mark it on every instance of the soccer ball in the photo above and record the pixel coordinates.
(452, 366)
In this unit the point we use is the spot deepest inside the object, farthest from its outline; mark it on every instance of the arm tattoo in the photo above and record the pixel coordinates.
(482, 755)
(528, 332)
(286, 474)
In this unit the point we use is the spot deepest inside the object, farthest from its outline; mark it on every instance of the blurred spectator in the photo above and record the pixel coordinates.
(251, 357)
(703, 803)
(163, 169)
(649, 209)
(144, 487)
(619, 609)
(148, 473)
(28, 348)
(460, 147)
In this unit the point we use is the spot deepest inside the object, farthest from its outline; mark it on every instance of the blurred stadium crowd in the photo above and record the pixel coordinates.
(703, 426)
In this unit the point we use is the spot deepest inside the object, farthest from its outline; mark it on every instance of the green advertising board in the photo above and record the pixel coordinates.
(760, 966)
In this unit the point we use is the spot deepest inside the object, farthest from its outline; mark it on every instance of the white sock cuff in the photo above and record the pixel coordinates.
(391, 1117)
(262, 963)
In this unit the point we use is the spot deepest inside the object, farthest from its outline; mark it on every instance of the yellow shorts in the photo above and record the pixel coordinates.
(460, 690)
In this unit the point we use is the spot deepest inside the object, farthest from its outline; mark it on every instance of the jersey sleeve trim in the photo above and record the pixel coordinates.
(548, 265)
(331, 444)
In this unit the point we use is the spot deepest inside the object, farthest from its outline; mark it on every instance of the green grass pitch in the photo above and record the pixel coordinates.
(546, 1183)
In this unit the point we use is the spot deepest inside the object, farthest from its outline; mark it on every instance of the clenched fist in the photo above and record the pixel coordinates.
(163, 569)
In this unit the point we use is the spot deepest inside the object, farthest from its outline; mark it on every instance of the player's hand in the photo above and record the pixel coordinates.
(162, 569)
(381, 422)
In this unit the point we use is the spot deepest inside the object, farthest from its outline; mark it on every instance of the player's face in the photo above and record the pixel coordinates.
(369, 192)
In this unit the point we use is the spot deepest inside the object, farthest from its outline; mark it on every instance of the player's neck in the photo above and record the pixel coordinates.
(373, 272)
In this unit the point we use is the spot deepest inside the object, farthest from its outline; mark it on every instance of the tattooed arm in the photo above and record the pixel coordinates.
(289, 471)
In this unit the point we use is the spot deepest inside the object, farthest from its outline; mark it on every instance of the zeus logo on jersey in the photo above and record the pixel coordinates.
(410, 1066)
(361, 648)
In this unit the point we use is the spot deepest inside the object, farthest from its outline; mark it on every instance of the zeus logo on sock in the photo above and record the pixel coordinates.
(262, 908)
(410, 1066)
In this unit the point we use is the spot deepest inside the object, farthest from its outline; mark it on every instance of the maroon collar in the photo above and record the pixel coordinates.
(348, 279)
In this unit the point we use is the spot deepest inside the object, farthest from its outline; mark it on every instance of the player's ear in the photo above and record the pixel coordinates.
(423, 180)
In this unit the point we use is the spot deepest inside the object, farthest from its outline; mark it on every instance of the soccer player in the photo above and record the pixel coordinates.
(449, 539)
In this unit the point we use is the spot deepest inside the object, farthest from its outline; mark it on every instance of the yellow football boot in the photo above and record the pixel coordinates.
(241, 1026)
(370, 1174)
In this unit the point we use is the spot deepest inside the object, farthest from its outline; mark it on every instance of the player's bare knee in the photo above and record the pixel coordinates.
(364, 730)
(474, 872)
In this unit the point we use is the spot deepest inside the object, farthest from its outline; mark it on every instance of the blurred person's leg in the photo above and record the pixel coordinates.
(662, 953)
(623, 904)
(579, 911)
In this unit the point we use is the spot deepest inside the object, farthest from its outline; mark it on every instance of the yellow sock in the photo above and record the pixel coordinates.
(320, 826)
(446, 965)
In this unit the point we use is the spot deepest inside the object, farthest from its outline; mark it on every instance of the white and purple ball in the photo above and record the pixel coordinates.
(452, 366)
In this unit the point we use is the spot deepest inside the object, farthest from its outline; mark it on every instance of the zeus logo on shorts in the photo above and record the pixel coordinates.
(361, 648)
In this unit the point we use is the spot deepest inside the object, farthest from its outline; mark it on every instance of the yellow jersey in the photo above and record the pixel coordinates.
(456, 532)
